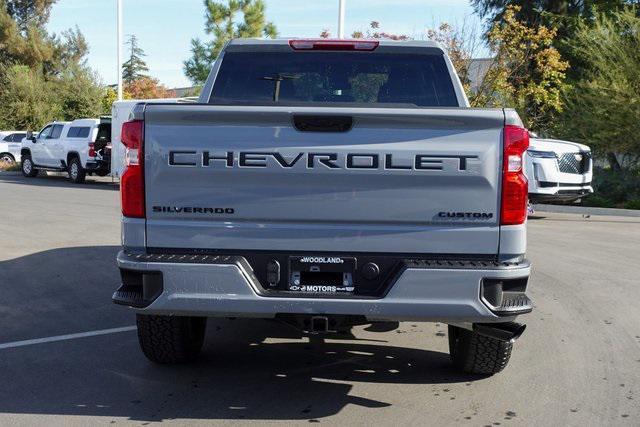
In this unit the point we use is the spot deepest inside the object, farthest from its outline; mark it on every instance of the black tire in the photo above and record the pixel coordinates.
(170, 339)
(477, 354)
(76, 172)
(28, 169)
(7, 159)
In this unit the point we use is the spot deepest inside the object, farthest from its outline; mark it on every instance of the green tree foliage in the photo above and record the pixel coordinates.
(29, 13)
(135, 67)
(109, 96)
(43, 77)
(221, 23)
(78, 93)
(26, 100)
(22, 41)
(563, 15)
(527, 73)
(70, 48)
(603, 108)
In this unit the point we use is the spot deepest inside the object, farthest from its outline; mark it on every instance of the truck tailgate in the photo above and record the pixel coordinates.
(414, 181)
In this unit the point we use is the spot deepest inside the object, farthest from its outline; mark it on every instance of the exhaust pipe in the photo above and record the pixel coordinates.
(507, 332)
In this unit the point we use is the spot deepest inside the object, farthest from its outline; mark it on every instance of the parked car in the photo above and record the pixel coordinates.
(558, 171)
(80, 147)
(326, 184)
(10, 144)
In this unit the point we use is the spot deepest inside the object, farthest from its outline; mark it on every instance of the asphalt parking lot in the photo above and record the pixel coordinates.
(578, 363)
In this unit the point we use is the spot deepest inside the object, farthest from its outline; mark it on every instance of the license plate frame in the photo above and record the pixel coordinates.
(310, 274)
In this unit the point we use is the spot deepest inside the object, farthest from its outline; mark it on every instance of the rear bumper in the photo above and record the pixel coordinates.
(98, 165)
(226, 288)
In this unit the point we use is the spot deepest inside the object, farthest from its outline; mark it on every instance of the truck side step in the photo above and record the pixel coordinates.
(138, 289)
(514, 302)
(506, 296)
(129, 296)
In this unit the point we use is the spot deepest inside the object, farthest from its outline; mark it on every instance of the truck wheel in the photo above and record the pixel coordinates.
(76, 171)
(477, 354)
(7, 159)
(170, 339)
(28, 169)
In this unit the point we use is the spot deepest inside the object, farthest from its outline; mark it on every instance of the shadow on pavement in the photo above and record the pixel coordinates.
(60, 180)
(59, 291)
(249, 369)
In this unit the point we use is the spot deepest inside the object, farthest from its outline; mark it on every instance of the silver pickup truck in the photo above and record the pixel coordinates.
(327, 184)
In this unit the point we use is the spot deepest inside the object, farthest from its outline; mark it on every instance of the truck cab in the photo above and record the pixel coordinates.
(79, 148)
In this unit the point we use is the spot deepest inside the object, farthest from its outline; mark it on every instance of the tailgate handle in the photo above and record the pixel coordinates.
(309, 123)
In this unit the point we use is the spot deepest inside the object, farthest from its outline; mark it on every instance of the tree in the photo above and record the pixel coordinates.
(21, 42)
(109, 96)
(135, 67)
(221, 23)
(43, 77)
(29, 13)
(147, 88)
(461, 44)
(373, 32)
(70, 49)
(603, 108)
(527, 72)
(79, 93)
(563, 15)
(27, 101)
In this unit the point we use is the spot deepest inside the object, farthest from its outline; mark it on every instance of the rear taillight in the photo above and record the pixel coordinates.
(132, 181)
(92, 150)
(513, 209)
(329, 44)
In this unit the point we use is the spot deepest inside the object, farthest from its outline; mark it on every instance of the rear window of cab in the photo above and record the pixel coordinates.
(329, 77)
(78, 132)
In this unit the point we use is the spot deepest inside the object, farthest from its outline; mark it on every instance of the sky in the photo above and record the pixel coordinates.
(165, 27)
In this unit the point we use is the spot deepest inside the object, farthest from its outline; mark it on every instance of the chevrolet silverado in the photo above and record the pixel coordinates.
(327, 184)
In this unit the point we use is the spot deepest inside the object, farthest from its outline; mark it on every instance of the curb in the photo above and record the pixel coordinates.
(10, 173)
(585, 210)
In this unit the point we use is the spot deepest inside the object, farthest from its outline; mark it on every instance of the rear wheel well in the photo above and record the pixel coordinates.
(7, 154)
(72, 155)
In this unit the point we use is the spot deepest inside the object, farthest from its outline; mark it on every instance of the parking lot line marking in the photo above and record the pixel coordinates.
(66, 337)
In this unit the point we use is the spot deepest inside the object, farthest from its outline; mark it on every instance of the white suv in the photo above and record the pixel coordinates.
(10, 144)
(79, 147)
(557, 170)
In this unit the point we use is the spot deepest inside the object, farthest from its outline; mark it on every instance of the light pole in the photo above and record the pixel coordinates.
(119, 48)
(341, 19)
